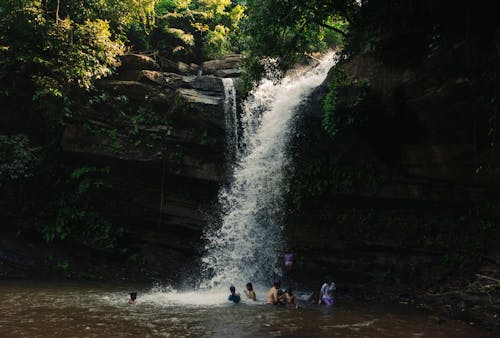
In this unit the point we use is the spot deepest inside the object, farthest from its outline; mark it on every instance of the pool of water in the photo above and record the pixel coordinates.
(89, 310)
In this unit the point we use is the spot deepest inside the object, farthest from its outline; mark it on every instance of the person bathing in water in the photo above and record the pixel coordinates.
(133, 297)
(290, 298)
(272, 295)
(233, 297)
(281, 297)
(250, 293)
(327, 292)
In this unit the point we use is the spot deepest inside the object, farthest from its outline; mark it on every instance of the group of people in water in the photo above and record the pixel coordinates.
(276, 296)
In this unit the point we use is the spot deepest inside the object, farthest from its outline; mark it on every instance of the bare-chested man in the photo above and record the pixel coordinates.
(272, 295)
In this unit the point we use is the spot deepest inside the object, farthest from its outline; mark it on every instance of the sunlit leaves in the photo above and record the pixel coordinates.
(288, 28)
(201, 27)
(186, 38)
(82, 53)
(217, 42)
(215, 7)
(54, 53)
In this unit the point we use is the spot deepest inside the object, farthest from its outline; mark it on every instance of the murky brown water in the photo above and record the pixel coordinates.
(89, 310)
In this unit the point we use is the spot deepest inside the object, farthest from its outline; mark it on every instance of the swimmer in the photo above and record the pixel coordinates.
(290, 298)
(272, 295)
(133, 298)
(250, 293)
(233, 297)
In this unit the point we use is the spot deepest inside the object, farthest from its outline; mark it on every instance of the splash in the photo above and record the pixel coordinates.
(247, 243)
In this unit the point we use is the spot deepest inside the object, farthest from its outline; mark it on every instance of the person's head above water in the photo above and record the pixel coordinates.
(133, 295)
(277, 284)
(249, 286)
(232, 289)
(289, 291)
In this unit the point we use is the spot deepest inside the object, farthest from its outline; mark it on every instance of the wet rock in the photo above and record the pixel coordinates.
(194, 106)
(195, 96)
(225, 67)
(232, 72)
(207, 84)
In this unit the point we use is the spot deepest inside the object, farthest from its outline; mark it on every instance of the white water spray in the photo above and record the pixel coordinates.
(247, 244)
(231, 118)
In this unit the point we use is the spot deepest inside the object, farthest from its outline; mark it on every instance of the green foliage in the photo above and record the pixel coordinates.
(316, 176)
(286, 29)
(77, 217)
(47, 54)
(196, 29)
(131, 125)
(330, 101)
(18, 159)
(125, 15)
(342, 104)
(216, 42)
(77, 54)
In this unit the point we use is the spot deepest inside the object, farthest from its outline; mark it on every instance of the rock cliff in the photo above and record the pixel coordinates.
(165, 175)
(412, 201)
(157, 127)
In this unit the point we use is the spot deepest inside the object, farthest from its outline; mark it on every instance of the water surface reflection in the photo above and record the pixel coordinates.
(90, 310)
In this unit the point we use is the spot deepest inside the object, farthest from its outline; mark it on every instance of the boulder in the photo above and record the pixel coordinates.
(179, 67)
(176, 81)
(194, 107)
(145, 76)
(229, 62)
(197, 97)
(231, 72)
(138, 61)
(132, 89)
(206, 83)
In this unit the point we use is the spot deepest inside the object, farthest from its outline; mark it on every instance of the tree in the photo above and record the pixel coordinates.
(45, 54)
(286, 29)
(197, 29)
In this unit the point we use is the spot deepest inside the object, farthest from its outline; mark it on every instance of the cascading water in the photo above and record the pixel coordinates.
(231, 116)
(247, 243)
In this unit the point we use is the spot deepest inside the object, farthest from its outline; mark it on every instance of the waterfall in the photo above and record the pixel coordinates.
(231, 118)
(247, 244)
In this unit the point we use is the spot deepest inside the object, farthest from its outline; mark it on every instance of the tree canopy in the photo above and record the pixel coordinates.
(287, 29)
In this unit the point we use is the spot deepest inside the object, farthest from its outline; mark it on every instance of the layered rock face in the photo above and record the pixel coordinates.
(165, 150)
(415, 193)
